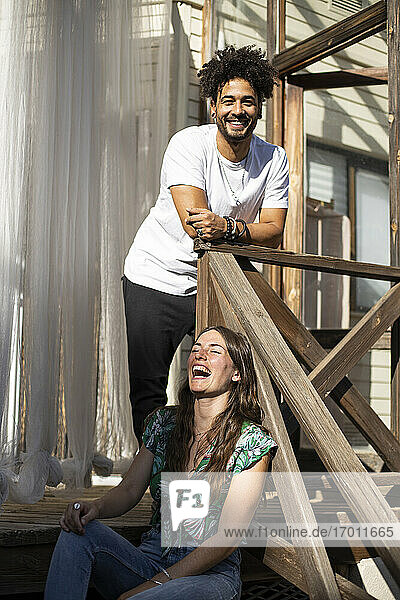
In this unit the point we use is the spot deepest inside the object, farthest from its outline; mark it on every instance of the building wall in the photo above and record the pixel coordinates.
(347, 117)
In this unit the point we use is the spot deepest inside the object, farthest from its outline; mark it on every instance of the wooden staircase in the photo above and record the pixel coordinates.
(233, 293)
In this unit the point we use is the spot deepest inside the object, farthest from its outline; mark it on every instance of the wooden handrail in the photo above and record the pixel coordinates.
(309, 262)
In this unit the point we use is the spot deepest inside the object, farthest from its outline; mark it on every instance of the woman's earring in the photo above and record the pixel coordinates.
(213, 115)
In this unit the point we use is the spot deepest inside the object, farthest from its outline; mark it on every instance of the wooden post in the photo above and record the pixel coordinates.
(274, 107)
(207, 41)
(271, 50)
(336, 37)
(393, 8)
(293, 235)
(275, 34)
(207, 308)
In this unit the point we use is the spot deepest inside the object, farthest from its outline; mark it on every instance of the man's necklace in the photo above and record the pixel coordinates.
(241, 187)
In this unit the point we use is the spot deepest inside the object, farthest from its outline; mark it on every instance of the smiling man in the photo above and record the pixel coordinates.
(218, 181)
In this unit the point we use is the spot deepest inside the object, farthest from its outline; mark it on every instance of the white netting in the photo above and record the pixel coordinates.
(83, 126)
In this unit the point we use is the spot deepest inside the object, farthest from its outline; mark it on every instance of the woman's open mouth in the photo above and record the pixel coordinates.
(200, 372)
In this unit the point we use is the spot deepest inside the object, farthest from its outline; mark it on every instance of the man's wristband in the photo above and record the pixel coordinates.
(232, 232)
(239, 235)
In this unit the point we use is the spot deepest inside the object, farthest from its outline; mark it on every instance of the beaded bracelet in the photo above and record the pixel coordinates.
(234, 230)
(229, 228)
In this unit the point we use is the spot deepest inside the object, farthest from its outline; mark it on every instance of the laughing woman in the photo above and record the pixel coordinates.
(215, 427)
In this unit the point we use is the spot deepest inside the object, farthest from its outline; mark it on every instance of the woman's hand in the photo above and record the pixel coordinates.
(207, 224)
(75, 519)
(147, 585)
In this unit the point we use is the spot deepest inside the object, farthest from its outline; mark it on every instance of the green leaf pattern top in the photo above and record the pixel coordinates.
(251, 446)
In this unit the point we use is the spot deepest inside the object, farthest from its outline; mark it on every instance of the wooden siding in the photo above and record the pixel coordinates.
(185, 62)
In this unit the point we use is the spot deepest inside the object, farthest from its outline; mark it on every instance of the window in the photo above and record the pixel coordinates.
(348, 217)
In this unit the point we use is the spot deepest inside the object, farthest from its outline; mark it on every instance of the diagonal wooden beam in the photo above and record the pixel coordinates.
(310, 352)
(364, 499)
(349, 31)
(281, 557)
(296, 507)
(356, 343)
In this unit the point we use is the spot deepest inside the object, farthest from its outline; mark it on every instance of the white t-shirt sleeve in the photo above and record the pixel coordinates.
(277, 187)
(184, 159)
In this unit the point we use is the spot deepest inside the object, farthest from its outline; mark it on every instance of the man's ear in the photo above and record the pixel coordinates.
(259, 116)
(213, 108)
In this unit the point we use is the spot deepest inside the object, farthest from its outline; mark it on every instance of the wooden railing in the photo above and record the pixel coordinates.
(233, 293)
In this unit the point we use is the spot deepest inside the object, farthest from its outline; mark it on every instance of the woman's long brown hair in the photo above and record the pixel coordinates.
(243, 405)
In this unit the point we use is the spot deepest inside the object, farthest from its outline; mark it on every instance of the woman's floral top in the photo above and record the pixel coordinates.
(251, 446)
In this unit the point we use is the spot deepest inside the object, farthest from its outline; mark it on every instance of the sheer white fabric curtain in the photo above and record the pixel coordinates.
(83, 126)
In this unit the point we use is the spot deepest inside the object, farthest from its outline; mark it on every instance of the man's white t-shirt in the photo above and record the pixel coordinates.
(161, 256)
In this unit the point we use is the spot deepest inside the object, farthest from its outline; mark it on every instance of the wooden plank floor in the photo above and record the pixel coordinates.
(23, 524)
(28, 534)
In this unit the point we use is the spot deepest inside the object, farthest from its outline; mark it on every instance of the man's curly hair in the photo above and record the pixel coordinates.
(247, 63)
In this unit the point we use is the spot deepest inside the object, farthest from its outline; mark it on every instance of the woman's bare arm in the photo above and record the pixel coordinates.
(130, 491)
(117, 501)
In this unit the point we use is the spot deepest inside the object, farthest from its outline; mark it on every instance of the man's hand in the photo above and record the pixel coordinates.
(207, 224)
(147, 585)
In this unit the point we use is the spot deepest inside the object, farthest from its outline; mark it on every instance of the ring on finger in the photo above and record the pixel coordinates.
(200, 232)
(76, 506)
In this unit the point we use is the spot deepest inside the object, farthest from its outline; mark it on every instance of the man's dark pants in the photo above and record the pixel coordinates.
(156, 323)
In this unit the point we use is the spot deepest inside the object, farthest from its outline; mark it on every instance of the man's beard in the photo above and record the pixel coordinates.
(236, 136)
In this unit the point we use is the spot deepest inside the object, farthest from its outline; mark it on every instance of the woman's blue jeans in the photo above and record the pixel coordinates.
(114, 566)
